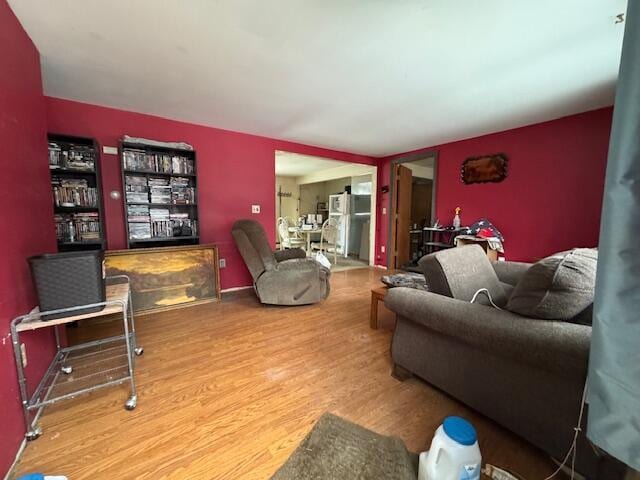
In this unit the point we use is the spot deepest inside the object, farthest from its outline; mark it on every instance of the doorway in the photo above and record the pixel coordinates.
(310, 190)
(413, 190)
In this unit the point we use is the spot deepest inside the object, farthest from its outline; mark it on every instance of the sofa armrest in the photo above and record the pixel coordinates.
(288, 254)
(555, 346)
(510, 272)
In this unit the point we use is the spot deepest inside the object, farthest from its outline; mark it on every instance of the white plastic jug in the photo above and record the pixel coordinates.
(454, 453)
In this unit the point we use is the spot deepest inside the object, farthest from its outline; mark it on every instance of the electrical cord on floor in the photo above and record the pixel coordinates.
(574, 445)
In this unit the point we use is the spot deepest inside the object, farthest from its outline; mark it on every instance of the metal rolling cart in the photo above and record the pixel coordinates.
(80, 368)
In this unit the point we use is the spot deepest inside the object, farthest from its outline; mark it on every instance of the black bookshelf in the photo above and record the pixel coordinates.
(76, 187)
(160, 195)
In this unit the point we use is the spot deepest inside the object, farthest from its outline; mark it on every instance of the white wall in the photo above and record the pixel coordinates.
(361, 185)
(310, 195)
(333, 187)
(289, 204)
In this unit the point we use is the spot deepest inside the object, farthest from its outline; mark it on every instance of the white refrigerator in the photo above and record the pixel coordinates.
(351, 212)
(339, 210)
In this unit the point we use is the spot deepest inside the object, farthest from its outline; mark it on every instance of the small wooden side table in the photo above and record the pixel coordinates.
(377, 294)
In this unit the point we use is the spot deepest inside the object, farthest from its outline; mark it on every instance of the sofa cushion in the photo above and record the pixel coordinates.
(558, 287)
(460, 272)
(508, 289)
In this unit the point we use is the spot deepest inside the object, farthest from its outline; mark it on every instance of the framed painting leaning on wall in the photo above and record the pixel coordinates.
(168, 277)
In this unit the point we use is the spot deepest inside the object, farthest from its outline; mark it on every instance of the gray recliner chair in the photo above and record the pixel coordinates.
(284, 277)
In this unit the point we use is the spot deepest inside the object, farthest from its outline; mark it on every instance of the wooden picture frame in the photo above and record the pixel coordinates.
(165, 278)
(484, 169)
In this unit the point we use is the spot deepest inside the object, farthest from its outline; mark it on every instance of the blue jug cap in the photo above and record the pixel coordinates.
(460, 430)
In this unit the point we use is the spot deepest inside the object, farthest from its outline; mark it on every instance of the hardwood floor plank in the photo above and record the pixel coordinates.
(228, 390)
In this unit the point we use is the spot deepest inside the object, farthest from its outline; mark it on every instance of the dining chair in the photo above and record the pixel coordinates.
(286, 239)
(328, 239)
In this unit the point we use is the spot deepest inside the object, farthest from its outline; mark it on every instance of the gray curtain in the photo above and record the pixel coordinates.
(614, 367)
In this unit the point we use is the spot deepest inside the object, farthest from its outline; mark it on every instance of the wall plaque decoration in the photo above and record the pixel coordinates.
(484, 169)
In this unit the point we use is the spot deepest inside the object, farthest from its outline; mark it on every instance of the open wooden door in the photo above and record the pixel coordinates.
(401, 216)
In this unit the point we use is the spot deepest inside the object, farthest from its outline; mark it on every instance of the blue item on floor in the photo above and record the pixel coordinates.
(41, 476)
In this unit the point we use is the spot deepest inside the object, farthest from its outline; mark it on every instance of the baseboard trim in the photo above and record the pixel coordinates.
(383, 267)
(23, 444)
(235, 289)
(13, 466)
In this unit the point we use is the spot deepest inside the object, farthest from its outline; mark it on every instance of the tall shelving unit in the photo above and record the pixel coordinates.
(160, 195)
(74, 163)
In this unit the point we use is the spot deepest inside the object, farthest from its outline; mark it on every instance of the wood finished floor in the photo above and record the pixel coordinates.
(228, 390)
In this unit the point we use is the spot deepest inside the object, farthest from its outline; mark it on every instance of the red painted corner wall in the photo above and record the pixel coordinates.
(26, 213)
(552, 197)
(235, 170)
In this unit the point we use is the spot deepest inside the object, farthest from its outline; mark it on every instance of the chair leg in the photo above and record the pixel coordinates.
(400, 373)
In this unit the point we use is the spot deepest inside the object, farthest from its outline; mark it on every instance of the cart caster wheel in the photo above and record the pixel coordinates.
(66, 370)
(131, 403)
(33, 434)
(138, 351)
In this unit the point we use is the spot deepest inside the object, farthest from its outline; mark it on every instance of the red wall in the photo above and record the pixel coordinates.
(552, 197)
(235, 170)
(26, 215)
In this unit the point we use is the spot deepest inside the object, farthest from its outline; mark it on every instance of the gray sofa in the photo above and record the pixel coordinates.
(526, 374)
(284, 277)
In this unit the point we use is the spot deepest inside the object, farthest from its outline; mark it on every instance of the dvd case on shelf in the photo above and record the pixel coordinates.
(77, 227)
(136, 189)
(73, 192)
(139, 231)
(143, 161)
(71, 156)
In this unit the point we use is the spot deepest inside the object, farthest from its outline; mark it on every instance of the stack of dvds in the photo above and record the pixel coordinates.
(138, 218)
(162, 162)
(160, 190)
(139, 231)
(79, 157)
(86, 227)
(160, 225)
(63, 223)
(142, 161)
(55, 155)
(136, 189)
(182, 165)
(182, 219)
(138, 213)
(72, 192)
(161, 229)
(138, 160)
(181, 192)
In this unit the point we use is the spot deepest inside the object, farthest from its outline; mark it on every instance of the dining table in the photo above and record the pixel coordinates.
(306, 233)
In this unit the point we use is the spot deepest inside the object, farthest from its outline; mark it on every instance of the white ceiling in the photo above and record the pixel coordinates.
(368, 76)
(290, 164)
